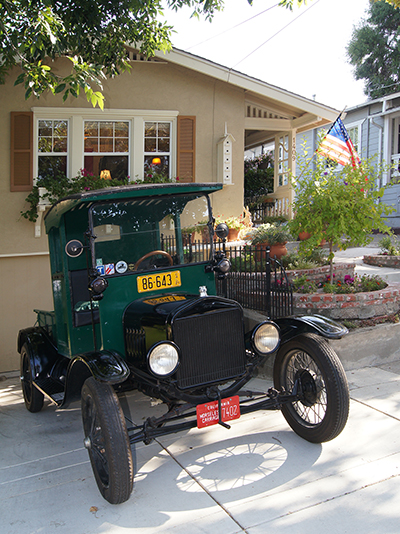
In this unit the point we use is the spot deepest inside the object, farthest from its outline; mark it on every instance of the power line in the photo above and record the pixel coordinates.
(275, 34)
(233, 27)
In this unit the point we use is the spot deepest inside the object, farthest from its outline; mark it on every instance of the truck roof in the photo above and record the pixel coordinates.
(53, 216)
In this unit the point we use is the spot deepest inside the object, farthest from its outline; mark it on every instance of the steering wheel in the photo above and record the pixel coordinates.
(153, 253)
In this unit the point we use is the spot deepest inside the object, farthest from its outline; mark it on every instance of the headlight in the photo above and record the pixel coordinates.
(163, 358)
(266, 338)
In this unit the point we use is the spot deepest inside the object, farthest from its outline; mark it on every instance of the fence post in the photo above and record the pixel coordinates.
(267, 282)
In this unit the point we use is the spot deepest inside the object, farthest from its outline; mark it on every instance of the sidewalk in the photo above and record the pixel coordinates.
(255, 478)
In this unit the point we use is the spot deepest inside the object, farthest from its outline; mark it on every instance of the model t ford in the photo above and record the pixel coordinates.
(135, 306)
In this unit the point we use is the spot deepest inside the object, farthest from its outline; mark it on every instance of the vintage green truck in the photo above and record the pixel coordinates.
(135, 307)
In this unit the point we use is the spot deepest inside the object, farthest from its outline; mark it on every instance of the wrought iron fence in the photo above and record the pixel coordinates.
(257, 282)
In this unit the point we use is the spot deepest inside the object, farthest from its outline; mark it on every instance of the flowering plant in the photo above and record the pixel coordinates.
(349, 284)
(341, 207)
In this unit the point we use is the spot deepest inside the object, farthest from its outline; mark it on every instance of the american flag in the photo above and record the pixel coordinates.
(338, 146)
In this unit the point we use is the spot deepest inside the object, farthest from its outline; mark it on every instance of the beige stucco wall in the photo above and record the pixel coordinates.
(25, 285)
(25, 281)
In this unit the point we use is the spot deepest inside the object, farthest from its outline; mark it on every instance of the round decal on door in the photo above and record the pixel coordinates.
(121, 267)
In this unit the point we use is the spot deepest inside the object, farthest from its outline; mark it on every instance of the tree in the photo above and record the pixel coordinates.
(341, 207)
(91, 33)
(374, 50)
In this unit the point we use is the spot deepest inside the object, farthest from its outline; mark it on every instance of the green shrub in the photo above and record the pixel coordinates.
(388, 247)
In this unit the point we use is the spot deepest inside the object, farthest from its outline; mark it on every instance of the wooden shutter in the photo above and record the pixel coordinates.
(21, 151)
(186, 148)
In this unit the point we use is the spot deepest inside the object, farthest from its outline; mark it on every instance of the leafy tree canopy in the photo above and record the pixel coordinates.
(374, 50)
(91, 33)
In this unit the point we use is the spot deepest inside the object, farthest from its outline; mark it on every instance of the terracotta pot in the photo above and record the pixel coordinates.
(304, 235)
(233, 234)
(277, 250)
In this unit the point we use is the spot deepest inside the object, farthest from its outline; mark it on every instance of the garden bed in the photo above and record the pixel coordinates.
(350, 306)
(382, 260)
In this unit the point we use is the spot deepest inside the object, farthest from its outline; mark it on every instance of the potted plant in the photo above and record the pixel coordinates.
(273, 236)
(235, 224)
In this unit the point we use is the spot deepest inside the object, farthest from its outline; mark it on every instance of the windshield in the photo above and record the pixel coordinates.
(150, 233)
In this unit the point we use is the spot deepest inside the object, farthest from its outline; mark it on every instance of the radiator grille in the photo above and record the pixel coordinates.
(212, 347)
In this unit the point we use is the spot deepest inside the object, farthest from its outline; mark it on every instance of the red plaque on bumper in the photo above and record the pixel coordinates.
(207, 414)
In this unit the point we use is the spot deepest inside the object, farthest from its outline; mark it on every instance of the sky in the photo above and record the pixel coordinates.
(303, 51)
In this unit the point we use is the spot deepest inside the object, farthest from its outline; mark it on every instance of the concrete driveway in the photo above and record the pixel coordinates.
(256, 478)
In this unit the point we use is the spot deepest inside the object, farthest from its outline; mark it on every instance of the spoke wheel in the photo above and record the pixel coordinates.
(309, 364)
(33, 398)
(107, 441)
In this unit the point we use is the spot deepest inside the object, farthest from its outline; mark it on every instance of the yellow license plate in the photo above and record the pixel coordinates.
(152, 282)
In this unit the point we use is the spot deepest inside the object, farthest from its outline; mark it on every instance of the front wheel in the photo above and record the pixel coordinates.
(107, 441)
(309, 364)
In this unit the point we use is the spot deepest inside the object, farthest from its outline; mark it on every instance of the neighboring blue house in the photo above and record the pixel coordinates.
(374, 128)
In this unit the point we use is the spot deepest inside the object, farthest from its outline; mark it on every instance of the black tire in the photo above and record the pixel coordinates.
(33, 398)
(322, 412)
(107, 441)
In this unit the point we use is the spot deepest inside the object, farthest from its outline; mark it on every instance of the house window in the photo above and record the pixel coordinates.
(354, 136)
(52, 147)
(157, 148)
(283, 160)
(106, 148)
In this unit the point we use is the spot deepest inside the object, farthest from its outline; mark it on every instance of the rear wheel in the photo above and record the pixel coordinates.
(33, 398)
(309, 363)
(107, 441)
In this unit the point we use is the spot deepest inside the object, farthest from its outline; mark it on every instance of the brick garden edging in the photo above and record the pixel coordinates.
(380, 260)
(350, 306)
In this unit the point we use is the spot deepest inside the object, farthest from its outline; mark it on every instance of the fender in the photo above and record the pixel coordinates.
(291, 327)
(105, 366)
(44, 354)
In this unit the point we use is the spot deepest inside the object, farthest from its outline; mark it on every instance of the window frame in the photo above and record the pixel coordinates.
(98, 153)
(136, 118)
(37, 153)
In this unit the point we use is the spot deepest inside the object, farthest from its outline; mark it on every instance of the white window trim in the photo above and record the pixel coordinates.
(358, 125)
(76, 118)
(169, 154)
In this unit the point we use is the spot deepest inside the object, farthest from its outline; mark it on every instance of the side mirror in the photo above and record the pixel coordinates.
(222, 230)
(74, 248)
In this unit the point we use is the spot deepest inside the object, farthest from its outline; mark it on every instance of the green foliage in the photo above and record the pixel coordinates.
(270, 234)
(374, 50)
(234, 223)
(388, 247)
(341, 207)
(258, 176)
(92, 34)
(60, 186)
(304, 259)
